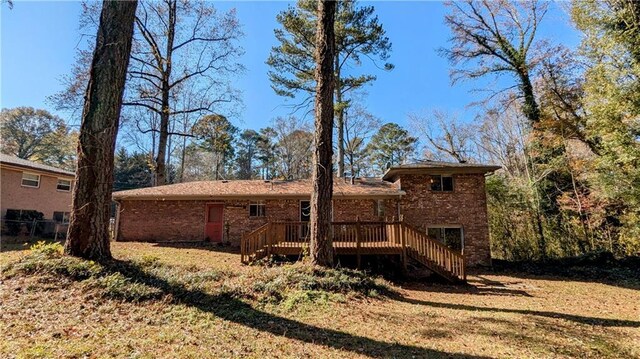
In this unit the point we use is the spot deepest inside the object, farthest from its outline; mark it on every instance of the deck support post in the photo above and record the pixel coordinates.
(403, 243)
(358, 238)
(269, 239)
(242, 250)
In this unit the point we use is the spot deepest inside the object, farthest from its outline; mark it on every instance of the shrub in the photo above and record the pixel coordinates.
(291, 284)
(47, 249)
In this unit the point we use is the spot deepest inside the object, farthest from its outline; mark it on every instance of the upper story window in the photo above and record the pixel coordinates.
(441, 183)
(378, 207)
(257, 209)
(30, 180)
(63, 185)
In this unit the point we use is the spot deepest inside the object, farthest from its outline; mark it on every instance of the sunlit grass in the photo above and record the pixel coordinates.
(160, 301)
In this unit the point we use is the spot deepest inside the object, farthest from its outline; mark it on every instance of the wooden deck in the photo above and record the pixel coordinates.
(357, 238)
(341, 248)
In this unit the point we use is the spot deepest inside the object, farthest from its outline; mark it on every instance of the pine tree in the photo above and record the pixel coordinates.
(358, 35)
(88, 235)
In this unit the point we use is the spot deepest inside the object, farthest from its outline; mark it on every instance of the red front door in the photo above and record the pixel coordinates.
(213, 226)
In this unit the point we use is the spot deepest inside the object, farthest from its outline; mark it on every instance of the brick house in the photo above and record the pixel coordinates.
(446, 201)
(30, 186)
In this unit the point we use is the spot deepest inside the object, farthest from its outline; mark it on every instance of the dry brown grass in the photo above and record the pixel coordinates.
(507, 315)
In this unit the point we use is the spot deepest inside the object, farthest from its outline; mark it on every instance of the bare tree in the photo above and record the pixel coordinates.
(502, 138)
(88, 235)
(183, 56)
(183, 46)
(447, 136)
(321, 246)
(497, 37)
(359, 126)
(293, 148)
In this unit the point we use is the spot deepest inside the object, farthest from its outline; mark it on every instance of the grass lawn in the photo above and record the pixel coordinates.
(158, 301)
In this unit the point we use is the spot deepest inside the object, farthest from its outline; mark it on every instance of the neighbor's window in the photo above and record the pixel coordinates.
(63, 185)
(30, 180)
(378, 207)
(441, 183)
(452, 237)
(257, 209)
(61, 217)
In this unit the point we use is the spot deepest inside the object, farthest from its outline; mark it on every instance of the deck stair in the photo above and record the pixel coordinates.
(358, 238)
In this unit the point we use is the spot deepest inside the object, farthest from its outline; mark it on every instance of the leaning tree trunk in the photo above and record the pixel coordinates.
(322, 176)
(88, 234)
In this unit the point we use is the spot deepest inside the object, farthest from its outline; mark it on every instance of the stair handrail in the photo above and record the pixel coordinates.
(250, 242)
(452, 262)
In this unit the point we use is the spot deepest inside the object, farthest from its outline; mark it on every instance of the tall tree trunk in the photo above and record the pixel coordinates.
(322, 172)
(88, 235)
(182, 157)
(530, 109)
(339, 116)
(161, 166)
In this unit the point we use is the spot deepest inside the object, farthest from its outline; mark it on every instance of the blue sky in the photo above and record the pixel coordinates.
(39, 41)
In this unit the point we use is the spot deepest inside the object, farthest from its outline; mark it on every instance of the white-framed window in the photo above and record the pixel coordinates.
(451, 236)
(257, 209)
(30, 180)
(61, 217)
(378, 207)
(441, 183)
(63, 185)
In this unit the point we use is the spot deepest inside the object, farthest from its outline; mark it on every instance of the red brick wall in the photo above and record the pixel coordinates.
(466, 206)
(351, 209)
(161, 221)
(46, 198)
(184, 220)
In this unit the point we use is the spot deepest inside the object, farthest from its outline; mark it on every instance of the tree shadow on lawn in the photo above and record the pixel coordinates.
(604, 322)
(234, 310)
(476, 285)
(600, 268)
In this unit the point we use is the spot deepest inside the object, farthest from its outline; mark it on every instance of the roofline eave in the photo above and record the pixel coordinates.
(247, 196)
(61, 173)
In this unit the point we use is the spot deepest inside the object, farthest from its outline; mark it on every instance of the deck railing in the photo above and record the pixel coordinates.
(358, 238)
(254, 244)
(433, 254)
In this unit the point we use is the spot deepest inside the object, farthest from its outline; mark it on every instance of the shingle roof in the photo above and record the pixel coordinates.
(362, 187)
(436, 167)
(19, 162)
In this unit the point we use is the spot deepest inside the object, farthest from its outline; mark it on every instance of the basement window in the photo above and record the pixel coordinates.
(257, 209)
(452, 237)
(441, 183)
(61, 217)
(30, 180)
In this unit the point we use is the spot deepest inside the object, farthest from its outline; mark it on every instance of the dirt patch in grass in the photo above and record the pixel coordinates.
(200, 302)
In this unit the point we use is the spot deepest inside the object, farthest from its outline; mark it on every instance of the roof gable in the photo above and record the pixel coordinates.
(437, 167)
